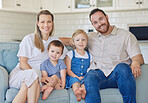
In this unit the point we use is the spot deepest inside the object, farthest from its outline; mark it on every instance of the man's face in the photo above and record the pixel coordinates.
(100, 22)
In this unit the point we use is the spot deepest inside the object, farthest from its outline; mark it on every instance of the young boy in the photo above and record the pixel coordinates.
(53, 69)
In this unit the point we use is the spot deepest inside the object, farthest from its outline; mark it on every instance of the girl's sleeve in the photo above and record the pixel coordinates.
(91, 58)
(70, 54)
(25, 47)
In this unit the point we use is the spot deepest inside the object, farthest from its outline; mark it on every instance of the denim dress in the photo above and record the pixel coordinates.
(79, 67)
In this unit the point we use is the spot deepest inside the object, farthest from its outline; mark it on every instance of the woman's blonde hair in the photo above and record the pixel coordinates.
(77, 32)
(38, 36)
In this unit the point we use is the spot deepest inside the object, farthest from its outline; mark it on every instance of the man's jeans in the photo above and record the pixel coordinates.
(121, 78)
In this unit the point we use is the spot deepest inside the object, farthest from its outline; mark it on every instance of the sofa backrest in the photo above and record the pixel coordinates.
(8, 55)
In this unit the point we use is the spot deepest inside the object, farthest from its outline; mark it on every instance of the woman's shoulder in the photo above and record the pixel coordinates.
(29, 37)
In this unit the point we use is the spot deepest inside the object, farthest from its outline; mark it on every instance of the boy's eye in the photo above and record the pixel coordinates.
(77, 40)
(52, 51)
(58, 52)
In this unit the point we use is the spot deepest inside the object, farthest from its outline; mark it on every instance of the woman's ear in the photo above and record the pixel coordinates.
(37, 23)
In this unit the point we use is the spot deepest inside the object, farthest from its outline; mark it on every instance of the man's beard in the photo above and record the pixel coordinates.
(106, 28)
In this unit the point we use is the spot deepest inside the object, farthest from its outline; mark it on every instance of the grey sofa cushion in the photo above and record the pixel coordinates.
(56, 96)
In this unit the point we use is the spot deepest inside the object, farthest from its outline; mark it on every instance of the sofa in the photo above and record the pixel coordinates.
(8, 60)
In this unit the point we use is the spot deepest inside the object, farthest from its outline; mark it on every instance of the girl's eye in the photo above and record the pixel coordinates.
(83, 39)
(52, 51)
(77, 40)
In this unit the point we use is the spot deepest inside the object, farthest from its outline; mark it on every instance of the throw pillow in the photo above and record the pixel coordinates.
(1, 58)
(10, 59)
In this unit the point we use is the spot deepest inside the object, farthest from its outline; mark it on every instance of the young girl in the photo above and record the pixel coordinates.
(78, 61)
(53, 69)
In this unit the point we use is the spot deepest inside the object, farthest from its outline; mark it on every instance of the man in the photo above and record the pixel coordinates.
(117, 59)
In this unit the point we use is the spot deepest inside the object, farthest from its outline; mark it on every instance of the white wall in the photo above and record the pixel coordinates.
(66, 24)
(14, 25)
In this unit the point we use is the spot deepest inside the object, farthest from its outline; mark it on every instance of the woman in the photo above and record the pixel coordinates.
(26, 75)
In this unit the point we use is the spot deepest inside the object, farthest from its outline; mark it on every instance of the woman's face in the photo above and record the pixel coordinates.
(45, 24)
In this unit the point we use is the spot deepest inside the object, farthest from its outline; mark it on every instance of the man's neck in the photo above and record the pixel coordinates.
(109, 31)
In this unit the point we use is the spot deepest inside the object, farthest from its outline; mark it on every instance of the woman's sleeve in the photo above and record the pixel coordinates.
(25, 47)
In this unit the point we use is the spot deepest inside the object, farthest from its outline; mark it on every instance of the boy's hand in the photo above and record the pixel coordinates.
(46, 80)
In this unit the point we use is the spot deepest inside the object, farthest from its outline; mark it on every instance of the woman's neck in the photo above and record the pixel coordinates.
(45, 37)
(81, 51)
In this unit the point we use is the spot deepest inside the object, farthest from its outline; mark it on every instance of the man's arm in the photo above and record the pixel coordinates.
(135, 66)
(66, 41)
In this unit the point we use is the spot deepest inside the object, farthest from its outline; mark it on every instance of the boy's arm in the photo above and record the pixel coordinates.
(63, 78)
(44, 78)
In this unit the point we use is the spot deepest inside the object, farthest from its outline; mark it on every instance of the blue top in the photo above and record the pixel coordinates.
(51, 69)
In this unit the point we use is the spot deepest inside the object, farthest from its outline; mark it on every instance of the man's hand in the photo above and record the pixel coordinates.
(136, 70)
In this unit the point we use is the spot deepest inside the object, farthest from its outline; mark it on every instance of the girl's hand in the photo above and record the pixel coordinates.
(80, 78)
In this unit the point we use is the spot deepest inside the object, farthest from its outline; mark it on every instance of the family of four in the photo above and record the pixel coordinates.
(113, 61)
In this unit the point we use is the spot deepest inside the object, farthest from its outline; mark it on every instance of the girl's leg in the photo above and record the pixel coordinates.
(32, 92)
(77, 91)
(21, 95)
(83, 91)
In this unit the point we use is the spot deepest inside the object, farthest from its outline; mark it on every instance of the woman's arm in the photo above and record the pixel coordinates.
(23, 63)
(63, 78)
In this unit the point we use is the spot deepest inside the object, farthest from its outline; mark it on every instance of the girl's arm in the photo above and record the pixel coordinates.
(23, 63)
(68, 64)
(63, 78)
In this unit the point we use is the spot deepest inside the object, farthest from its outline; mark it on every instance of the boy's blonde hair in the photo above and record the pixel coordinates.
(77, 32)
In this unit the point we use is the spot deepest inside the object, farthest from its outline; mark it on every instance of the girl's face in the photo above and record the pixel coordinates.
(54, 52)
(80, 41)
(45, 24)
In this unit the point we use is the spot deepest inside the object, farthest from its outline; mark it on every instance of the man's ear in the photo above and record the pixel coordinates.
(107, 16)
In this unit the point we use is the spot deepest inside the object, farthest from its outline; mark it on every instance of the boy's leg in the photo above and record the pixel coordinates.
(47, 92)
(54, 81)
(77, 90)
(83, 91)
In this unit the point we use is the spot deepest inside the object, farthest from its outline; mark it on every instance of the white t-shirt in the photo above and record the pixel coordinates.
(70, 55)
(34, 55)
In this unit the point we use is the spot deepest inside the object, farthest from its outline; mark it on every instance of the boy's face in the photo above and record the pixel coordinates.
(54, 52)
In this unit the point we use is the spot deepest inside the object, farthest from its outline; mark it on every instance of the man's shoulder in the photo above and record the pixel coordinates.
(92, 34)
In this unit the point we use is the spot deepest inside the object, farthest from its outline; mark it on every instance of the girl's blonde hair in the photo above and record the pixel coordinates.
(77, 32)
(38, 36)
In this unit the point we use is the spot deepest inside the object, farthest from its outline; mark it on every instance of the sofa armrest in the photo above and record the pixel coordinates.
(142, 85)
(3, 83)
